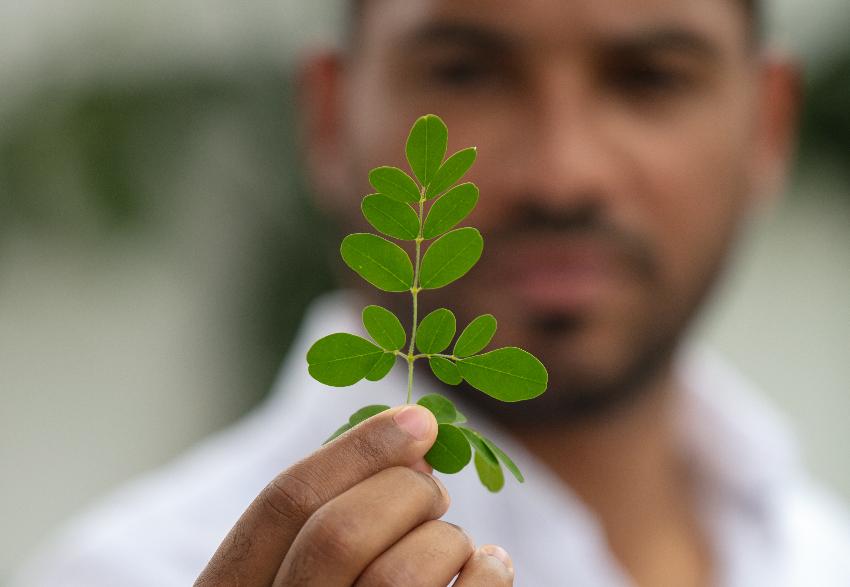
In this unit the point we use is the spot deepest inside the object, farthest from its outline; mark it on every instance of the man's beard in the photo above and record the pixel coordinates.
(579, 392)
(576, 396)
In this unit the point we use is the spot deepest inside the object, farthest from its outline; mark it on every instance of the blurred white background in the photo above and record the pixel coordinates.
(124, 341)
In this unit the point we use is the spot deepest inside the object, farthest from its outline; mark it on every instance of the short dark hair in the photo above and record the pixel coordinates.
(753, 10)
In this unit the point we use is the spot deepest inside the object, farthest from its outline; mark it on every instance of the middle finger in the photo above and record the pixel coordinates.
(347, 533)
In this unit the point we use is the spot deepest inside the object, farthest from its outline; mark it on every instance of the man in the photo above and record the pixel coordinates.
(622, 147)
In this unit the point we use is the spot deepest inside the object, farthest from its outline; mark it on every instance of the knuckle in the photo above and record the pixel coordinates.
(445, 541)
(450, 540)
(404, 476)
(390, 575)
(418, 484)
(395, 571)
(333, 537)
(369, 449)
(462, 539)
(291, 498)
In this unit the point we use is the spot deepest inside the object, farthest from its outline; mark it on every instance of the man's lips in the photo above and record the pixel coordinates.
(566, 276)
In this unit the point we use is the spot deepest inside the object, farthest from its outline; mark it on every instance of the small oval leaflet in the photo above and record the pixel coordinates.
(394, 183)
(450, 257)
(450, 209)
(426, 147)
(442, 408)
(490, 452)
(390, 216)
(384, 328)
(451, 451)
(436, 331)
(475, 336)
(508, 374)
(365, 413)
(342, 429)
(380, 262)
(444, 370)
(382, 367)
(477, 441)
(451, 171)
(355, 418)
(506, 460)
(342, 359)
(490, 475)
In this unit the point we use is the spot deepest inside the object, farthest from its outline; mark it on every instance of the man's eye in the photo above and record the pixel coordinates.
(460, 73)
(649, 79)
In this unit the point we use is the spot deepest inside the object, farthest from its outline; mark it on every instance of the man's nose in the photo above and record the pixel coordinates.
(567, 157)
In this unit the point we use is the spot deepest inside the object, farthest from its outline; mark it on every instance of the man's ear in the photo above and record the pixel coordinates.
(320, 85)
(779, 104)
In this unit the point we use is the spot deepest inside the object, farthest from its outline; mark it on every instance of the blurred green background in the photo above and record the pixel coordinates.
(157, 246)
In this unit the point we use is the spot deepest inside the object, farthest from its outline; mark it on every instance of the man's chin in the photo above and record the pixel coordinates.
(579, 393)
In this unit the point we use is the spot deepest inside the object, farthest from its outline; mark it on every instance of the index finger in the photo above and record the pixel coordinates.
(254, 548)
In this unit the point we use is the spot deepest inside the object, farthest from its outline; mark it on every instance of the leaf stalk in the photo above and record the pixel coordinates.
(414, 291)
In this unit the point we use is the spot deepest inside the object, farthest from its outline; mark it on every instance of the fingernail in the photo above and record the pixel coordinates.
(415, 421)
(499, 553)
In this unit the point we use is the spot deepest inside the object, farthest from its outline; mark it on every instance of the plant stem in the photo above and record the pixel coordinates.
(429, 355)
(411, 358)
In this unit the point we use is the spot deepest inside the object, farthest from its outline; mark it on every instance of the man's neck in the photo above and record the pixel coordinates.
(628, 470)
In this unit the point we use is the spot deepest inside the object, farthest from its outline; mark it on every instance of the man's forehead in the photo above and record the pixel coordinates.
(554, 23)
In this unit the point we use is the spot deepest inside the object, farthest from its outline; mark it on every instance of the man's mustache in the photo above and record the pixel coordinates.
(531, 221)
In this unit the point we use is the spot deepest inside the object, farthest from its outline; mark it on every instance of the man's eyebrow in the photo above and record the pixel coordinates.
(673, 40)
(471, 35)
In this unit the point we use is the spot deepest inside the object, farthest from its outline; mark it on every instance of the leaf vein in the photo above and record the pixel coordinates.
(507, 373)
(450, 261)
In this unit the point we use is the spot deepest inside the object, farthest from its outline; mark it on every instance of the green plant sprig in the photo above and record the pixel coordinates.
(398, 210)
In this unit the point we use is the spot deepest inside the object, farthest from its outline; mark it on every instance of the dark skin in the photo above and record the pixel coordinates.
(622, 146)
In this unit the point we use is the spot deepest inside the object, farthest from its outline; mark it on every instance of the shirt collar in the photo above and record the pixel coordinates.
(735, 437)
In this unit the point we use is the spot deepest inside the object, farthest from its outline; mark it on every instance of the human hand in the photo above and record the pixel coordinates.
(363, 510)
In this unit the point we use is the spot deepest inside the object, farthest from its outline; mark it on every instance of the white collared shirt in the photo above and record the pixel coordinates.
(769, 524)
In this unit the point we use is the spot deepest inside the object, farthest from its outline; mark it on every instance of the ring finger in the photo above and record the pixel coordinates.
(428, 556)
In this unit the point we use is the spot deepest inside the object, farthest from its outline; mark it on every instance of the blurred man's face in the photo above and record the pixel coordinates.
(617, 151)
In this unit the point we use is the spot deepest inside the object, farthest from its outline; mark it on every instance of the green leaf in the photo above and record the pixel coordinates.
(391, 217)
(365, 413)
(450, 257)
(478, 443)
(342, 359)
(451, 451)
(357, 417)
(426, 147)
(382, 367)
(442, 408)
(450, 209)
(508, 374)
(380, 262)
(344, 428)
(451, 171)
(384, 328)
(490, 451)
(445, 370)
(394, 183)
(490, 475)
(475, 336)
(435, 331)
(506, 460)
